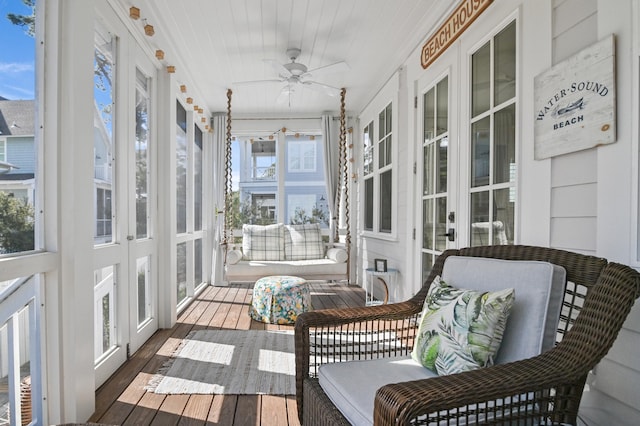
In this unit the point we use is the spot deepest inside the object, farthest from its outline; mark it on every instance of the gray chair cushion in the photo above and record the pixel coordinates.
(539, 288)
(352, 385)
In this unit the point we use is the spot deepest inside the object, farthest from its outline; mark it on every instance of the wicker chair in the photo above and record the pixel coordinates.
(545, 389)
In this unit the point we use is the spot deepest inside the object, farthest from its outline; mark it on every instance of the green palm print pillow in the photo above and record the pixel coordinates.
(461, 329)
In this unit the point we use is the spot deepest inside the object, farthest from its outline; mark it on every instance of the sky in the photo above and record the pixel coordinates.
(17, 53)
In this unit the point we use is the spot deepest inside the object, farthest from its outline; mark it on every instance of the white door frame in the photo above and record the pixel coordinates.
(447, 65)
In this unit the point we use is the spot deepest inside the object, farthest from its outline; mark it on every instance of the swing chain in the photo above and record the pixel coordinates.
(345, 164)
(227, 237)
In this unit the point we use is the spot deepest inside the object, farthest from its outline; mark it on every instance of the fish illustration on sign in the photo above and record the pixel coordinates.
(579, 104)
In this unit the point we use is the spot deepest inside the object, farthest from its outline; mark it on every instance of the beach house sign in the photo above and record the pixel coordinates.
(575, 102)
(451, 29)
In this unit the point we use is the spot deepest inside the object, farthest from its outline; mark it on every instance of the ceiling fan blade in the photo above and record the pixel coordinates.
(255, 82)
(279, 68)
(321, 87)
(328, 69)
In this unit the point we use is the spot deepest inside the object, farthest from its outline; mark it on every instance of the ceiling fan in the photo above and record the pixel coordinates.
(295, 74)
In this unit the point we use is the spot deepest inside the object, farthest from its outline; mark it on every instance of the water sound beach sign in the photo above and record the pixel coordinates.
(575, 102)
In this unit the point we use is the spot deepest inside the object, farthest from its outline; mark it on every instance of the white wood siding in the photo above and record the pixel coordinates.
(573, 176)
(613, 391)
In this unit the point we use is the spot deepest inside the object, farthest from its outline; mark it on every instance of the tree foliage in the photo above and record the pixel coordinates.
(318, 215)
(27, 22)
(253, 213)
(16, 224)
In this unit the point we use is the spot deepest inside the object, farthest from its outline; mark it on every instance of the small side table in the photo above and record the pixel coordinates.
(387, 279)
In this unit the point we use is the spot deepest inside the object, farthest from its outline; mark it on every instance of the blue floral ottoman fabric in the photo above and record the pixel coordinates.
(279, 299)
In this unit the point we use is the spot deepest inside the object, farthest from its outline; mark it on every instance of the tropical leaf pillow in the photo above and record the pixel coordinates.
(461, 330)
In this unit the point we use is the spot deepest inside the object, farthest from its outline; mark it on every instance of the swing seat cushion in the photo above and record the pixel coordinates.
(285, 250)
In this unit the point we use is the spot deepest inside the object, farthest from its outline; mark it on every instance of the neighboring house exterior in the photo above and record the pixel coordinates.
(17, 159)
(286, 184)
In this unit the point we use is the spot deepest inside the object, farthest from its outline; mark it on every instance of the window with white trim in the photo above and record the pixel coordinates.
(378, 174)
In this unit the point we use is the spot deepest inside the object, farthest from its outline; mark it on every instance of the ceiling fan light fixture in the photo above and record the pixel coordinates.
(296, 69)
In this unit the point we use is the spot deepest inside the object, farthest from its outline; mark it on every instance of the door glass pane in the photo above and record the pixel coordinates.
(106, 325)
(181, 169)
(504, 152)
(505, 65)
(181, 270)
(385, 201)
(429, 115)
(388, 119)
(104, 313)
(197, 261)
(441, 164)
(428, 224)
(503, 215)
(427, 172)
(480, 79)
(103, 142)
(197, 179)
(103, 214)
(441, 223)
(480, 233)
(381, 125)
(142, 154)
(144, 289)
(480, 152)
(442, 106)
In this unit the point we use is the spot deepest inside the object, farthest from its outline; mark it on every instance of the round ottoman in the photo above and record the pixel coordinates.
(279, 299)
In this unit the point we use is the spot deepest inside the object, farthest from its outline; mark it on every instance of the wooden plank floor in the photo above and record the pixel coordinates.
(122, 400)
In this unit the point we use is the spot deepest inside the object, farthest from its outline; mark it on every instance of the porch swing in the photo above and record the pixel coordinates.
(281, 249)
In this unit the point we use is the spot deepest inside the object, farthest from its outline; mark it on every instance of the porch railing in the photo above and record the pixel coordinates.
(20, 370)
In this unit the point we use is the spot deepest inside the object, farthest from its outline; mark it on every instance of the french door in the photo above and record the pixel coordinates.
(125, 283)
(142, 259)
(437, 155)
(467, 109)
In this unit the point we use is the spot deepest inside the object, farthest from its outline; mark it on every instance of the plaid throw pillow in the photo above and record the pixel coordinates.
(263, 242)
(302, 242)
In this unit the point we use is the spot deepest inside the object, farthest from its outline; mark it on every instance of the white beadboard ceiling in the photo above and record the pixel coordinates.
(214, 43)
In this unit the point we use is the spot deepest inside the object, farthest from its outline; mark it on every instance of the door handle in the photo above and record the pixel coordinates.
(451, 234)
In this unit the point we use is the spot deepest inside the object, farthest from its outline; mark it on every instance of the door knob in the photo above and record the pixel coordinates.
(451, 234)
